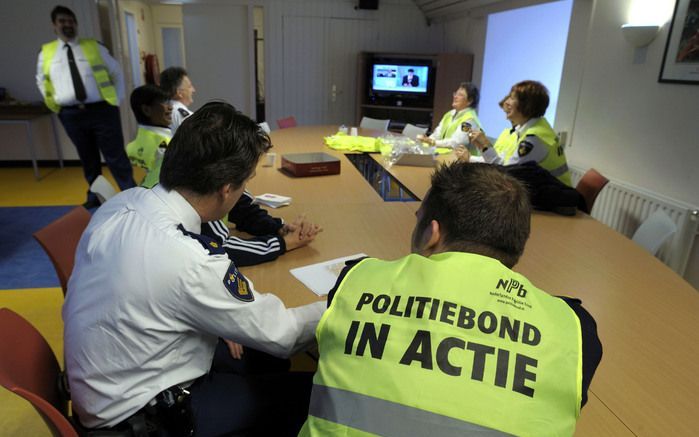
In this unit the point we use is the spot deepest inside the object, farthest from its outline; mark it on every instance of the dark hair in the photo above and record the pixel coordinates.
(146, 95)
(480, 209)
(410, 70)
(474, 96)
(61, 10)
(215, 146)
(532, 98)
(171, 79)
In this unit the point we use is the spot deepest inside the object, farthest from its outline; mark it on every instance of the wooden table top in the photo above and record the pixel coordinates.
(647, 316)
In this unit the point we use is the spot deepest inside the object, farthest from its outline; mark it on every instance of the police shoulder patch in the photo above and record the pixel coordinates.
(237, 285)
(524, 148)
(210, 244)
(183, 112)
(466, 126)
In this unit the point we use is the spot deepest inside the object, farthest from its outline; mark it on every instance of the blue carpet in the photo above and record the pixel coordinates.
(23, 263)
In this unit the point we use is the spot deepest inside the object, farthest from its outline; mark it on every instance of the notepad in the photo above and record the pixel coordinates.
(321, 277)
(272, 200)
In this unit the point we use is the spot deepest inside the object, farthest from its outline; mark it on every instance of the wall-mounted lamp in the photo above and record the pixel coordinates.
(639, 35)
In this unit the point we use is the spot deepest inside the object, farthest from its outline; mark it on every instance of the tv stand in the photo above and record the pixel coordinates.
(451, 69)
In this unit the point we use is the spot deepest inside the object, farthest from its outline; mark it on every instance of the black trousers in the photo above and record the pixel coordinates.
(254, 396)
(97, 128)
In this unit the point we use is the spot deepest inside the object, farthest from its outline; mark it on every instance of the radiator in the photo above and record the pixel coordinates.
(624, 207)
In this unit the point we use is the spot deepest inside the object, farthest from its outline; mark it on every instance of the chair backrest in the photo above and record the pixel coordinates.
(29, 369)
(284, 123)
(589, 187)
(60, 240)
(102, 188)
(655, 231)
(373, 123)
(411, 131)
(265, 127)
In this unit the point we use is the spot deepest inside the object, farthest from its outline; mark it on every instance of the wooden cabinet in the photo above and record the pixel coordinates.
(450, 70)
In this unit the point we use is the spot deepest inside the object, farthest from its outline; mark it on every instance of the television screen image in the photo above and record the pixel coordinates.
(400, 78)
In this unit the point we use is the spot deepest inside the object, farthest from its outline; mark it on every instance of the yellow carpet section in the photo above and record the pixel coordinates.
(57, 186)
(42, 308)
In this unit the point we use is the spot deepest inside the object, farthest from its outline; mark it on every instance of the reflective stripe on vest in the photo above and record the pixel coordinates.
(91, 51)
(386, 418)
(145, 152)
(555, 160)
(493, 351)
(449, 126)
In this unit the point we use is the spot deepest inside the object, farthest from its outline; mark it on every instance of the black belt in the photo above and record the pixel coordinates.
(169, 411)
(83, 106)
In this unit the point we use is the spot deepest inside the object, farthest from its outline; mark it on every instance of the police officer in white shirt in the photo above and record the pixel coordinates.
(83, 84)
(149, 297)
(175, 81)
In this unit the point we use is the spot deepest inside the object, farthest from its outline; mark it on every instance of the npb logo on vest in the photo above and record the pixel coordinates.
(512, 285)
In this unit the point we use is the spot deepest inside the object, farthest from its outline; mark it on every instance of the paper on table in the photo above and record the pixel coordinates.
(321, 277)
(272, 200)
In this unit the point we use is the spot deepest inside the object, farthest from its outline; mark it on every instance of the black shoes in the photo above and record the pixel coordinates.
(91, 204)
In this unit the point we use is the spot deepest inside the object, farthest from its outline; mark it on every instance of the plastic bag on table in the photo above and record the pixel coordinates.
(393, 147)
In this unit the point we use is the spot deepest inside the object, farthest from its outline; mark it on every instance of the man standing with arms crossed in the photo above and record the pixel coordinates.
(83, 84)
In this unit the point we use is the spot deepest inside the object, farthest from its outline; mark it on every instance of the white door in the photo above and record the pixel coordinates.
(172, 47)
(320, 67)
(303, 80)
(134, 58)
(346, 38)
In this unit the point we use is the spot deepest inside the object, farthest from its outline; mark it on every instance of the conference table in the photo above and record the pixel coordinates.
(647, 316)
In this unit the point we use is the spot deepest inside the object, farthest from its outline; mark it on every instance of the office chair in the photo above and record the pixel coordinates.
(375, 124)
(59, 240)
(589, 187)
(29, 369)
(411, 131)
(287, 122)
(654, 231)
(102, 188)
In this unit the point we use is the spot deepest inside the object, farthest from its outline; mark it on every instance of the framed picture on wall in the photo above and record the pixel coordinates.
(681, 58)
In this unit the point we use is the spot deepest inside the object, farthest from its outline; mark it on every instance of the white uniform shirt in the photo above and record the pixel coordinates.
(179, 113)
(459, 137)
(146, 304)
(59, 71)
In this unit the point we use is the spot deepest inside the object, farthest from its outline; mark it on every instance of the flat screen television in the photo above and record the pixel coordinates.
(393, 80)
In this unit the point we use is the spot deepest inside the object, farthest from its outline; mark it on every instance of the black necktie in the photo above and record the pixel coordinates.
(78, 85)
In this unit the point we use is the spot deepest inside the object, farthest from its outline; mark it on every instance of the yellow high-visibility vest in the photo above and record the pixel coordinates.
(445, 346)
(555, 161)
(90, 48)
(146, 151)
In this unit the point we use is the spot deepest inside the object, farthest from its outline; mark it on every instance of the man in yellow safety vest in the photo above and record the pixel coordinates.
(449, 341)
(83, 84)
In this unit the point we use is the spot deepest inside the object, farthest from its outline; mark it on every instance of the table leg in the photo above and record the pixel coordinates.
(59, 149)
(32, 152)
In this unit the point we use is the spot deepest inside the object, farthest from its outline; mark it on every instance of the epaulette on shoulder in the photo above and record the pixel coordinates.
(183, 112)
(213, 246)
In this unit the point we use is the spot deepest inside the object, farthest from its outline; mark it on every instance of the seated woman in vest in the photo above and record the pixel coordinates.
(531, 137)
(153, 111)
(453, 129)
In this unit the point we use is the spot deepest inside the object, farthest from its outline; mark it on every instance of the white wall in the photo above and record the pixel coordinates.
(217, 39)
(627, 125)
(399, 25)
